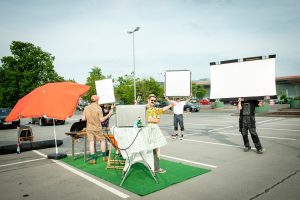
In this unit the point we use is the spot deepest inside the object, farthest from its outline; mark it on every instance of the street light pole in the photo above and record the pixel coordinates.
(134, 84)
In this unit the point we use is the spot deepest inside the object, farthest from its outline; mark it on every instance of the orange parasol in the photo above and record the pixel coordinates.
(52, 100)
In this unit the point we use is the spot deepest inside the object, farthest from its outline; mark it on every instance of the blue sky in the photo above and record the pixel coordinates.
(174, 34)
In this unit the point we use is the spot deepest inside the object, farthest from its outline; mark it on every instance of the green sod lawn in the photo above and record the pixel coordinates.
(139, 179)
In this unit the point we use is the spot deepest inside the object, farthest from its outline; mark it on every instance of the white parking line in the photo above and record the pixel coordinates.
(275, 123)
(199, 132)
(203, 124)
(96, 182)
(268, 120)
(280, 129)
(189, 161)
(261, 136)
(26, 161)
(215, 143)
(39, 153)
(216, 129)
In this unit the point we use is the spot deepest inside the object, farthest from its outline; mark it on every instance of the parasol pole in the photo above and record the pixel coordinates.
(56, 149)
(57, 155)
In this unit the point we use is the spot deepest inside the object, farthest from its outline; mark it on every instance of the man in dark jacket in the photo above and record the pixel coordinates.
(247, 123)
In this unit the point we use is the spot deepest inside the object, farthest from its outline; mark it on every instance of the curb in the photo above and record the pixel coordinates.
(12, 148)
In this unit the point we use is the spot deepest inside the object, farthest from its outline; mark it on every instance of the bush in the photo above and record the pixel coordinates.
(296, 98)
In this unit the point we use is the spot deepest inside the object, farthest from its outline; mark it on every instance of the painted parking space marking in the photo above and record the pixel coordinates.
(215, 143)
(202, 124)
(279, 129)
(216, 129)
(88, 178)
(260, 136)
(200, 132)
(92, 180)
(189, 161)
(22, 162)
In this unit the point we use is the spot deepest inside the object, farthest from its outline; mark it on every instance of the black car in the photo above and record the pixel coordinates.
(4, 112)
(189, 107)
(81, 105)
(42, 121)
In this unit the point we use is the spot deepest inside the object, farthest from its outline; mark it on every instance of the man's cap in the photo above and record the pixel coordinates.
(94, 98)
(151, 95)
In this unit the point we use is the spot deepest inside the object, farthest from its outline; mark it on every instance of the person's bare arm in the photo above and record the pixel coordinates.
(239, 105)
(167, 107)
(171, 101)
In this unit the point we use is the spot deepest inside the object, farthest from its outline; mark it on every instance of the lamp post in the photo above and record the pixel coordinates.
(134, 85)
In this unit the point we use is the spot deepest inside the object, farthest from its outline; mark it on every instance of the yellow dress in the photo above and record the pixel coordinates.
(154, 113)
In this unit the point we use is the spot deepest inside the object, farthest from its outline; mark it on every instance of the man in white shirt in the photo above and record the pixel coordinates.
(178, 116)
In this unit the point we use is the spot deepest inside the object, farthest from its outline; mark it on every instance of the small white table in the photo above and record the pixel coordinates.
(137, 144)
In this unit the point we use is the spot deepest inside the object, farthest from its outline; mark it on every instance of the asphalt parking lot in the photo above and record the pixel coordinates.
(211, 141)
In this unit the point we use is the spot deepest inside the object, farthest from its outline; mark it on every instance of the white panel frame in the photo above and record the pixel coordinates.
(178, 83)
(243, 79)
(105, 90)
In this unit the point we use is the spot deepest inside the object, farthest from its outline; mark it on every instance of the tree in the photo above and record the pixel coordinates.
(198, 90)
(194, 89)
(28, 68)
(149, 86)
(124, 89)
(95, 75)
(201, 92)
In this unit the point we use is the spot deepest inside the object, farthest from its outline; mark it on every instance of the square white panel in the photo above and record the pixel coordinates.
(243, 79)
(105, 90)
(178, 83)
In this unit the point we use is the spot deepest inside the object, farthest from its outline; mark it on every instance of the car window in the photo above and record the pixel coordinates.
(4, 112)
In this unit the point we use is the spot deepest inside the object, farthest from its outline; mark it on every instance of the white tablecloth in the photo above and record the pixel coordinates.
(139, 142)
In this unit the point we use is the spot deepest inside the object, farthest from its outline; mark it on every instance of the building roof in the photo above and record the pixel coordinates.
(286, 78)
(293, 80)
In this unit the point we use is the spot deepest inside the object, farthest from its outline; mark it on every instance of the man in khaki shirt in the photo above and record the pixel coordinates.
(94, 116)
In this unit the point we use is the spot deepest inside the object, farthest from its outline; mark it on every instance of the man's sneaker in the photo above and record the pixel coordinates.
(161, 171)
(174, 136)
(181, 137)
(260, 151)
(247, 149)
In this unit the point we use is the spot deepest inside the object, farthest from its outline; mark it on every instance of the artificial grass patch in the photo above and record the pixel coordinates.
(139, 179)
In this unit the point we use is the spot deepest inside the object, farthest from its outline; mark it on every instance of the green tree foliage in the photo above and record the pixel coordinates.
(149, 86)
(194, 89)
(124, 89)
(95, 75)
(28, 68)
(201, 92)
(198, 90)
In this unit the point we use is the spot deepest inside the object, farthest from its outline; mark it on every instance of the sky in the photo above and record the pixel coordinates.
(173, 35)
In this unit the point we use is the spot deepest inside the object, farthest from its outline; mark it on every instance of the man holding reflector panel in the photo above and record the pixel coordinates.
(246, 80)
(178, 84)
